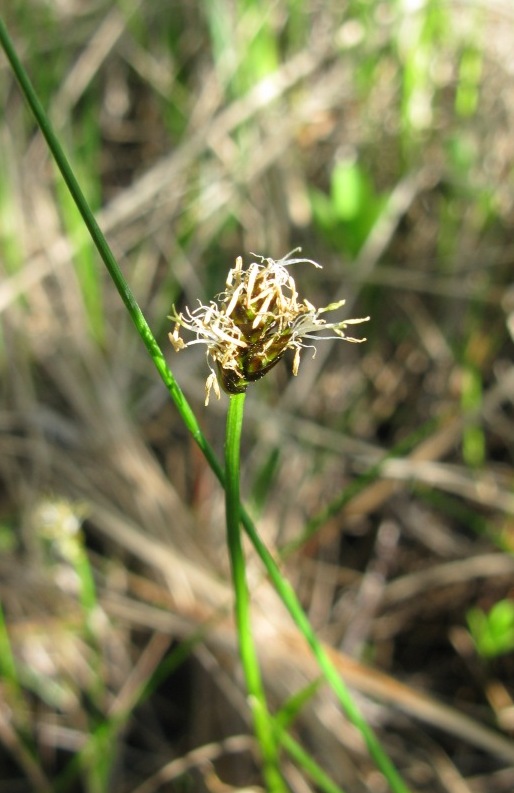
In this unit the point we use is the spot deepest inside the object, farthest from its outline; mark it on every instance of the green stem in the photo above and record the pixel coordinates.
(304, 760)
(283, 588)
(330, 673)
(107, 255)
(263, 724)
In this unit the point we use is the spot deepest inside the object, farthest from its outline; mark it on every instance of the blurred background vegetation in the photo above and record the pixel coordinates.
(379, 137)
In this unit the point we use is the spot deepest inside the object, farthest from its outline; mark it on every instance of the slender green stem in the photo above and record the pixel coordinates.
(330, 673)
(107, 255)
(283, 588)
(304, 760)
(263, 724)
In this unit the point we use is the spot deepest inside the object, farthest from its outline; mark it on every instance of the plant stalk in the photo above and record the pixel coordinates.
(282, 586)
(263, 724)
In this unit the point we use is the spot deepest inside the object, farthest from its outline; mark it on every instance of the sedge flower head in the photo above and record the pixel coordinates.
(251, 324)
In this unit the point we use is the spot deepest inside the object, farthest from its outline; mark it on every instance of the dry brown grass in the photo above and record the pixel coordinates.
(388, 578)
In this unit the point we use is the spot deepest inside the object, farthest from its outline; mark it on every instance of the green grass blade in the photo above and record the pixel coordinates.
(106, 254)
(330, 672)
(282, 586)
(323, 782)
(8, 669)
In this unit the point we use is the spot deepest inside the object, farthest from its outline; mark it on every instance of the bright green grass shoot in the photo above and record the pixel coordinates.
(493, 631)
(244, 43)
(473, 439)
(8, 668)
(10, 236)
(87, 267)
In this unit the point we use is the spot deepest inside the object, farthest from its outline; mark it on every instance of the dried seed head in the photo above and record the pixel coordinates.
(253, 322)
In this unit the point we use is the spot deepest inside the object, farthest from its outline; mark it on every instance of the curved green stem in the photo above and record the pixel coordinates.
(330, 673)
(282, 586)
(263, 724)
(106, 253)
